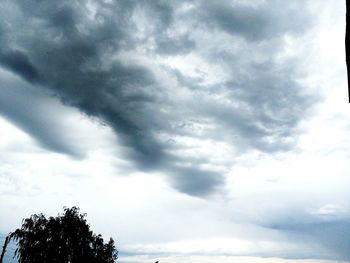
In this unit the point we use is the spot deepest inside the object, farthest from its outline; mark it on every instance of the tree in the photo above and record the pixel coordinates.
(63, 239)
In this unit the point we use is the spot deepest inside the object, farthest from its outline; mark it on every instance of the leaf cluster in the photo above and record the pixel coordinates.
(66, 238)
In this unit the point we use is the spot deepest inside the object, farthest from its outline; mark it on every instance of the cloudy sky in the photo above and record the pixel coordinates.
(190, 131)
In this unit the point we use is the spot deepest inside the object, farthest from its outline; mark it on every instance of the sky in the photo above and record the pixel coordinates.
(189, 131)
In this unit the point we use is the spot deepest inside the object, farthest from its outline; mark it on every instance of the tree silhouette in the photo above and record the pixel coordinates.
(63, 239)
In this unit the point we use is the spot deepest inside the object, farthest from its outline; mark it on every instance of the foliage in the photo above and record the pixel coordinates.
(62, 239)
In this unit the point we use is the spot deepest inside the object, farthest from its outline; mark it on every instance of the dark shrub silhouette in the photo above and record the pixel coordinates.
(63, 239)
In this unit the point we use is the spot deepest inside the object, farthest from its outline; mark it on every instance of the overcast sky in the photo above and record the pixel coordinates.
(192, 130)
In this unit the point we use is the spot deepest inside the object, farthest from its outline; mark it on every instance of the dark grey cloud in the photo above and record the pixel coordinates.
(18, 62)
(254, 21)
(33, 112)
(332, 235)
(196, 181)
(105, 58)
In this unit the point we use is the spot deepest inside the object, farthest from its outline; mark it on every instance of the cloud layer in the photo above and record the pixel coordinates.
(186, 85)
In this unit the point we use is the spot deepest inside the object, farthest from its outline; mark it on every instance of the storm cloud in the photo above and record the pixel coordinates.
(174, 80)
